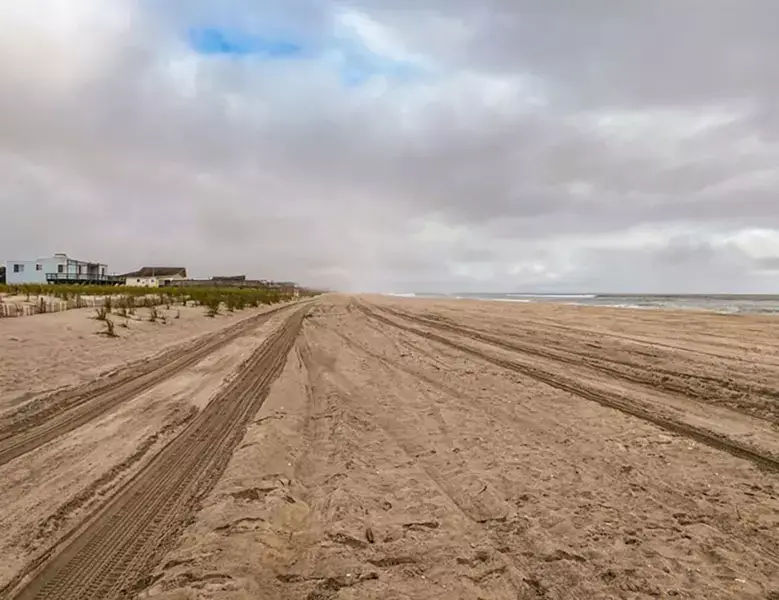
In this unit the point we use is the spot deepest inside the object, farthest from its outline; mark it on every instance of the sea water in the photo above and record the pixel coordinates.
(720, 303)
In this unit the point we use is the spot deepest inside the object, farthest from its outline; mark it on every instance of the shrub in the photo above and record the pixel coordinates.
(109, 329)
(212, 306)
(230, 302)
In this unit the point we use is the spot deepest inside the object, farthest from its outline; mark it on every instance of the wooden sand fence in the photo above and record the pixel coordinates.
(46, 305)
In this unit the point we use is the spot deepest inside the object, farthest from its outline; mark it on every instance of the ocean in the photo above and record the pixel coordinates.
(719, 303)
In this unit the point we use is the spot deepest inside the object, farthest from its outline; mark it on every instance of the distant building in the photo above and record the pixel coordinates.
(240, 281)
(59, 268)
(155, 276)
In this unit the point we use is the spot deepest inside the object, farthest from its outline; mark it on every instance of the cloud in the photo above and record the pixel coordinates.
(357, 48)
(434, 145)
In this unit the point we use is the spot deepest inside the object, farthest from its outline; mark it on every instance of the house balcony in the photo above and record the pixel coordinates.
(84, 278)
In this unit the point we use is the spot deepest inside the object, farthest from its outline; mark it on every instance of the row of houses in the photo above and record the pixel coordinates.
(63, 269)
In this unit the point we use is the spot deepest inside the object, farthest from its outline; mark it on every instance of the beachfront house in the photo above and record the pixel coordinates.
(155, 276)
(59, 268)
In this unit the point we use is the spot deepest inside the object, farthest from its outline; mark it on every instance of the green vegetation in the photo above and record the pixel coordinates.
(124, 299)
(212, 304)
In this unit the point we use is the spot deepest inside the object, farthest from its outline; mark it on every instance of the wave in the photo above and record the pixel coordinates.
(632, 306)
(561, 296)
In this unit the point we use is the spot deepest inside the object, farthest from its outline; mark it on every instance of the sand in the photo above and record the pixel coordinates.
(50, 351)
(412, 449)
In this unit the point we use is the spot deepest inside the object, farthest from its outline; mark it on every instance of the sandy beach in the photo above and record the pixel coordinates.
(66, 348)
(389, 448)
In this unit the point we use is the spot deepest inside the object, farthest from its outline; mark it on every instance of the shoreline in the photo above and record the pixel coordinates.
(727, 304)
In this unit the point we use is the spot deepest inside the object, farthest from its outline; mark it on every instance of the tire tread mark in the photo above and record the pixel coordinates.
(709, 438)
(85, 403)
(121, 543)
(601, 364)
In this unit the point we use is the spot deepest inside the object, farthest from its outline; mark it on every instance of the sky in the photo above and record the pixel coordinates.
(434, 145)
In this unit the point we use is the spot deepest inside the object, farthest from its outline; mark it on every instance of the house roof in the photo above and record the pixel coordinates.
(157, 272)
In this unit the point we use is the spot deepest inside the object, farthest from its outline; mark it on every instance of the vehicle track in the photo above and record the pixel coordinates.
(636, 373)
(117, 548)
(496, 528)
(609, 400)
(413, 447)
(68, 410)
(641, 340)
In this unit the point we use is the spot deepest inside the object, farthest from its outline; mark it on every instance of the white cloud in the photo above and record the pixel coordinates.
(533, 148)
(377, 38)
(60, 45)
(757, 243)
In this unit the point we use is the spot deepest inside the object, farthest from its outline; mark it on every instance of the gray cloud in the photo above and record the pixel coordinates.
(560, 145)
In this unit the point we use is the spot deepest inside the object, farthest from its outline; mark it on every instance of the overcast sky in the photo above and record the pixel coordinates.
(398, 145)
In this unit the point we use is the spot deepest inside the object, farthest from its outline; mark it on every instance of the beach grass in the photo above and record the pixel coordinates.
(127, 298)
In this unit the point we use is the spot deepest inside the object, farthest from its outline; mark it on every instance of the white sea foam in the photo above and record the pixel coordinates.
(556, 296)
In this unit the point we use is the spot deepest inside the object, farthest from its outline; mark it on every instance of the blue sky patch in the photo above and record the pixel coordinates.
(351, 59)
(215, 41)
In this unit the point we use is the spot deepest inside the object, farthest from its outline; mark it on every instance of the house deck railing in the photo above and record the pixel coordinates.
(94, 278)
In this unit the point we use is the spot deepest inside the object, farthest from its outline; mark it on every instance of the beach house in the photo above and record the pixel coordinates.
(59, 268)
(155, 276)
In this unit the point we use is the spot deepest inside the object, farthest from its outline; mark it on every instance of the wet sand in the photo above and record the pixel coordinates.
(416, 449)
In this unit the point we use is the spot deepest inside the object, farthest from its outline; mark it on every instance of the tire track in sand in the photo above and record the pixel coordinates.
(712, 439)
(68, 410)
(111, 553)
(619, 369)
(502, 528)
(483, 513)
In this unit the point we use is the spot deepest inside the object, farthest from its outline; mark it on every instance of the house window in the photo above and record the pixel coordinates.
(18, 268)
(60, 268)
(39, 267)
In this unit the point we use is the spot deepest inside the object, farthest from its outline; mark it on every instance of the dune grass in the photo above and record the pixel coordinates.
(125, 299)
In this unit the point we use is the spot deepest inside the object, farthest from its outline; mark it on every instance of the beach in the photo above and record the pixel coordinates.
(379, 447)
(62, 349)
